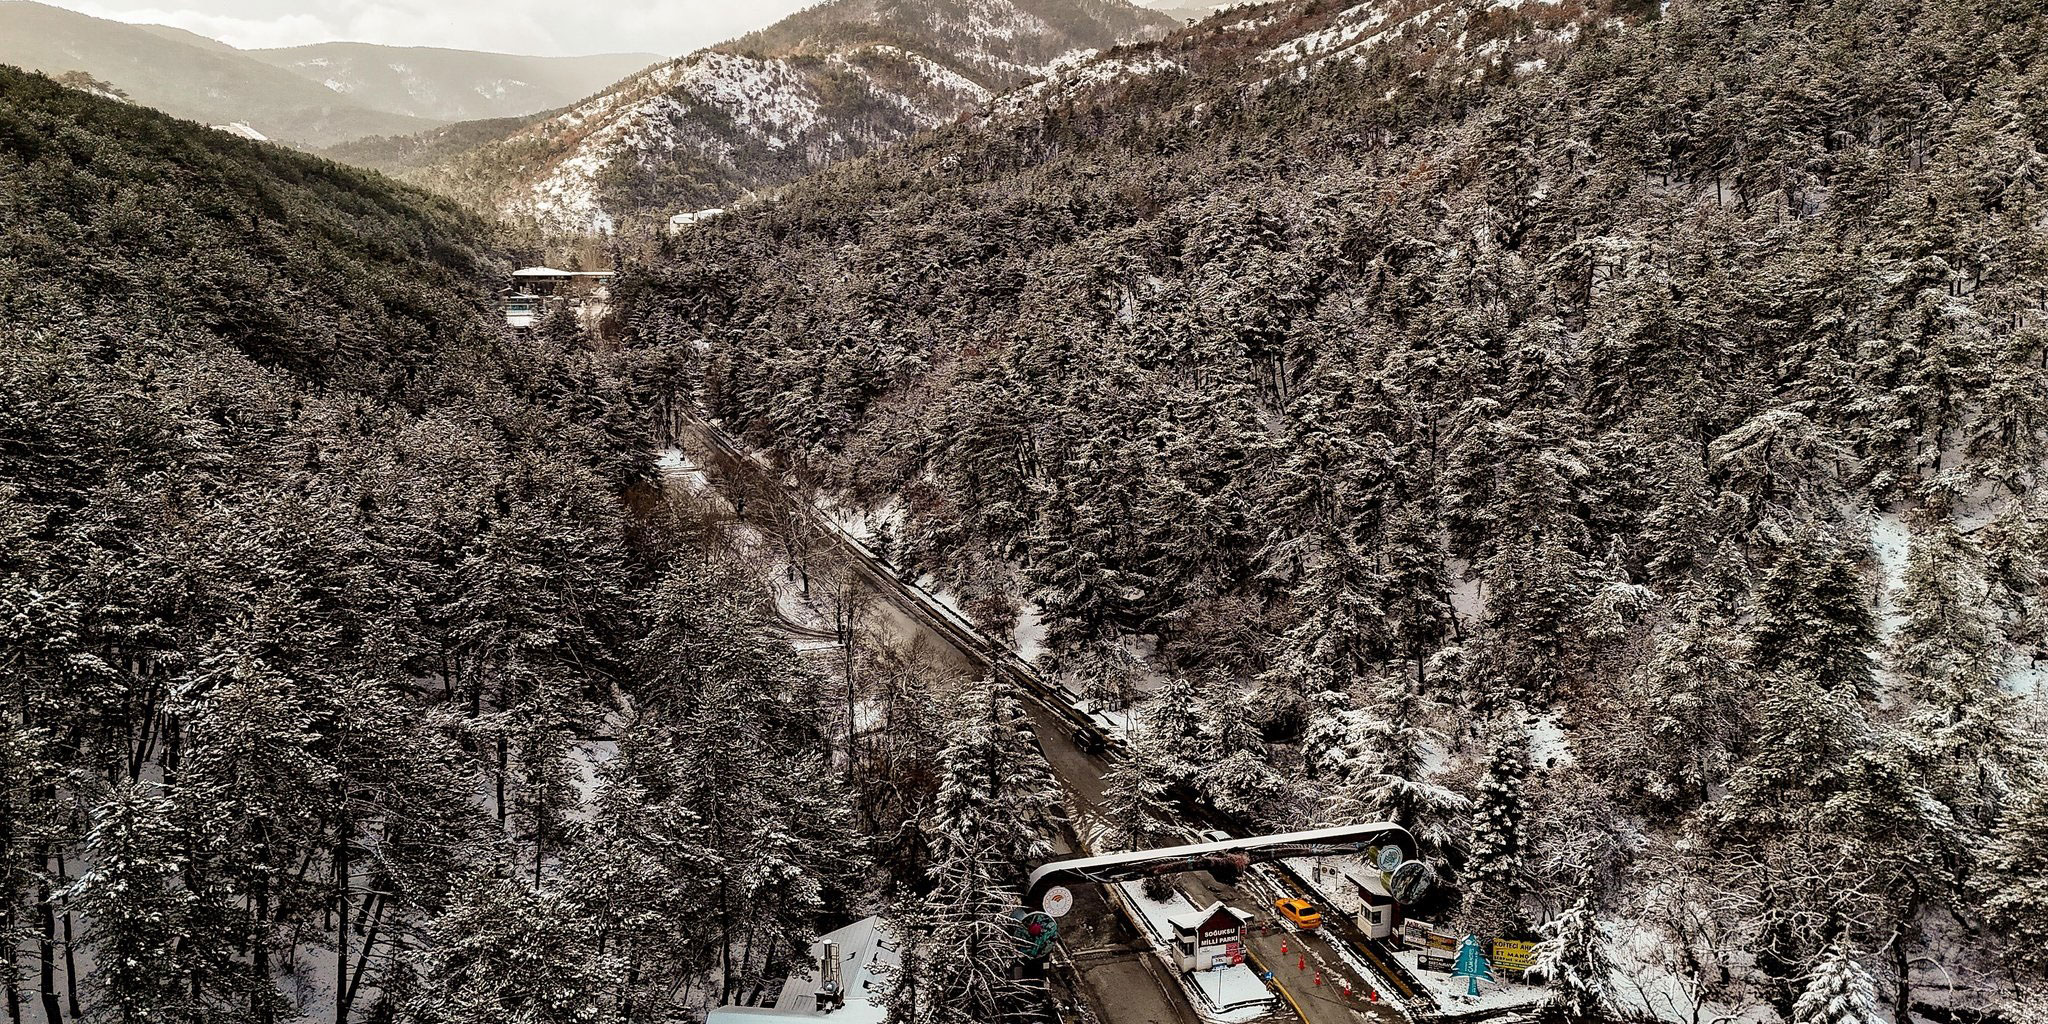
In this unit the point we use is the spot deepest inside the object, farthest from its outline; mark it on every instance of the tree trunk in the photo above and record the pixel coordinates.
(504, 758)
(259, 998)
(46, 951)
(341, 908)
(70, 955)
(363, 957)
(13, 988)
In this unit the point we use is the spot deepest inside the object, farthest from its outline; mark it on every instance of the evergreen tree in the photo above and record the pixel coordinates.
(1498, 837)
(1948, 643)
(505, 951)
(1838, 992)
(1397, 788)
(1572, 960)
(1134, 805)
(996, 792)
(2016, 869)
(138, 908)
(1811, 620)
(1699, 669)
(969, 959)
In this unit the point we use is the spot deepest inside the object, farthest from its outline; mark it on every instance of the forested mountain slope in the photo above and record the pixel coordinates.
(398, 154)
(829, 82)
(337, 680)
(182, 74)
(1610, 443)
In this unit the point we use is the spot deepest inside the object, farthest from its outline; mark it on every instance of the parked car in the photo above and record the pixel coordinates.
(1300, 911)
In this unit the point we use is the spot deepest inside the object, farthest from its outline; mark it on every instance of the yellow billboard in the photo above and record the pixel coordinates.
(1512, 954)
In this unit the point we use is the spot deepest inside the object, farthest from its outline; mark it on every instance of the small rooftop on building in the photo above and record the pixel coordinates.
(550, 272)
(847, 983)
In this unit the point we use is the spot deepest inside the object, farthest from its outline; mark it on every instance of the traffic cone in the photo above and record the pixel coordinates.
(1319, 976)
(1347, 990)
(1283, 947)
(1301, 961)
(1373, 994)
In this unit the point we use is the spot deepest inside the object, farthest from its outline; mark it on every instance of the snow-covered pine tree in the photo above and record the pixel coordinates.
(1573, 961)
(1838, 992)
(1811, 619)
(638, 872)
(1333, 743)
(1241, 780)
(1341, 633)
(137, 908)
(504, 951)
(968, 959)
(2015, 879)
(995, 789)
(1950, 652)
(1698, 667)
(1811, 641)
(1498, 840)
(1174, 727)
(1398, 788)
(1947, 645)
(1134, 806)
(995, 805)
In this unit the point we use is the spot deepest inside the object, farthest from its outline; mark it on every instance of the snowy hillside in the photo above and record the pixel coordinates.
(1260, 44)
(1605, 437)
(823, 85)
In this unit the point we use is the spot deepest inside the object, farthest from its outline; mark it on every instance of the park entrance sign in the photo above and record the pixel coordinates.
(1225, 859)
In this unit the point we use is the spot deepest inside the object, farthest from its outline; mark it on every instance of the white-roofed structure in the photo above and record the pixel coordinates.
(678, 223)
(1209, 938)
(847, 983)
(537, 291)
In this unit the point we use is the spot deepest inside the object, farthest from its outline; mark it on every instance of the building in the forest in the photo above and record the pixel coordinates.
(846, 983)
(1209, 938)
(1378, 914)
(683, 221)
(534, 292)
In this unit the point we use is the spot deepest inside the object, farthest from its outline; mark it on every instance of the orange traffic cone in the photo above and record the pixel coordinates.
(1347, 990)
(1319, 976)
(1283, 947)
(1301, 962)
(1373, 995)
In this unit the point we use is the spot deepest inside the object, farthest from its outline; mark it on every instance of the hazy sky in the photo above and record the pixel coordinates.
(551, 27)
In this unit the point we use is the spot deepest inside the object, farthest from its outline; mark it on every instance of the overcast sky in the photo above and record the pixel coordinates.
(549, 27)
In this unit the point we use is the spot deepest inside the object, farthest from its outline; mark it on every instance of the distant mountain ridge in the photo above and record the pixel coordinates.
(310, 96)
(453, 85)
(160, 68)
(826, 83)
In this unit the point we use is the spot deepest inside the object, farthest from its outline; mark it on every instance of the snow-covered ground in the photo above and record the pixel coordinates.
(677, 469)
(1335, 880)
(240, 129)
(1549, 747)
(1453, 994)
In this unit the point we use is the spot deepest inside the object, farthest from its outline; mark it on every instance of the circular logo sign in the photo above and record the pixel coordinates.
(1411, 881)
(1058, 900)
(1390, 858)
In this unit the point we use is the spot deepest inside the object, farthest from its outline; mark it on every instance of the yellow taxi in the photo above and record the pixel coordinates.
(1303, 913)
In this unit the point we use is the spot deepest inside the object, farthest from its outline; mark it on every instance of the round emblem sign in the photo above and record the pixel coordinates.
(1411, 881)
(1058, 900)
(1390, 858)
